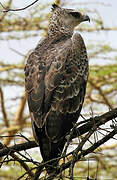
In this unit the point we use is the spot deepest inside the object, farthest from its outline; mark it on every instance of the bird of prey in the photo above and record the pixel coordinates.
(56, 75)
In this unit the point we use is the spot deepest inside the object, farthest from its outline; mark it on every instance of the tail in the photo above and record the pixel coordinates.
(49, 150)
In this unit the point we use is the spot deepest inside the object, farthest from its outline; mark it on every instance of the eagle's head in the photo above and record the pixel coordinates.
(65, 19)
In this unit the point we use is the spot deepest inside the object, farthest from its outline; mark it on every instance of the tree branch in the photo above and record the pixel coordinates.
(17, 147)
(3, 108)
(92, 121)
(3, 16)
(19, 9)
(97, 121)
(85, 152)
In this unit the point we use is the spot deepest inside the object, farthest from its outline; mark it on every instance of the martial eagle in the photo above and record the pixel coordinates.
(56, 75)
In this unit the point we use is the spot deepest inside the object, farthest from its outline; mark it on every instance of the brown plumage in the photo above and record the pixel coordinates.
(56, 74)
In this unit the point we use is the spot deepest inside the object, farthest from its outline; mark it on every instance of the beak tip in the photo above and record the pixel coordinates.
(86, 18)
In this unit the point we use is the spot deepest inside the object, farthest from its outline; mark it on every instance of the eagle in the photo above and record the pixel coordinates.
(56, 75)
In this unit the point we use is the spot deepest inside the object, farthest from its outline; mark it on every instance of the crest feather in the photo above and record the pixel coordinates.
(54, 6)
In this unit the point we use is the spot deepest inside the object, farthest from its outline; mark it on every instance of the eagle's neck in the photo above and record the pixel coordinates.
(59, 29)
(59, 34)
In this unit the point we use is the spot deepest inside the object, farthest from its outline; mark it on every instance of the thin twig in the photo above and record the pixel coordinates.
(3, 108)
(85, 152)
(18, 117)
(101, 93)
(19, 9)
(8, 5)
(23, 164)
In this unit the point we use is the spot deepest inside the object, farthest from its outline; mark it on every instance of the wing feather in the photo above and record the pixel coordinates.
(56, 78)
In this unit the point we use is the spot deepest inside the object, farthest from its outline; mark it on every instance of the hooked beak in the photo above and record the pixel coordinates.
(85, 18)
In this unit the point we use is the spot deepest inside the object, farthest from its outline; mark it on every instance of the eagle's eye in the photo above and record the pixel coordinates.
(75, 14)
